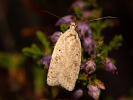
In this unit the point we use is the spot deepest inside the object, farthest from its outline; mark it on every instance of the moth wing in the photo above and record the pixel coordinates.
(69, 74)
(56, 62)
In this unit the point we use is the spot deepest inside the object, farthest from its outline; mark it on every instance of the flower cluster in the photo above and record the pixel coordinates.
(93, 49)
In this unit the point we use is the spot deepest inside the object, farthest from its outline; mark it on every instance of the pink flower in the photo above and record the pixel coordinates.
(79, 3)
(89, 45)
(77, 94)
(109, 66)
(86, 14)
(46, 60)
(84, 30)
(63, 20)
(94, 91)
(55, 36)
(90, 66)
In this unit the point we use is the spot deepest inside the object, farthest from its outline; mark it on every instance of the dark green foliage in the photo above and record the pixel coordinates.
(82, 77)
(36, 52)
(82, 57)
(78, 12)
(33, 51)
(97, 28)
(115, 43)
(10, 60)
(63, 27)
(42, 38)
(39, 78)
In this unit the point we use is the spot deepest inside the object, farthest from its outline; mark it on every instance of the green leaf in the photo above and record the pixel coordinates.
(9, 60)
(96, 13)
(32, 51)
(78, 12)
(54, 91)
(115, 43)
(63, 27)
(41, 36)
(82, 77)
(99, 46)
(97, 29)
(39, 78)
(104, 52)
(82, 57)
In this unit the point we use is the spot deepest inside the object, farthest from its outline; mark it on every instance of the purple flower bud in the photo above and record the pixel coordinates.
(84, 30)
(89, 45)
(55, 36)
(86, 14)
(46, 60)
(94, 91)
(79, 3)
(109, 66)
(90, 66)
(77, 94)
(66, 18)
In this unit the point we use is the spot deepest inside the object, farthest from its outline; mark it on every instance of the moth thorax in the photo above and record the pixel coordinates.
(72, 25)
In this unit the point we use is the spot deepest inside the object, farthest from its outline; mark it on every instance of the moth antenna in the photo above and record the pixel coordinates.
(107, 17)
(55, 16)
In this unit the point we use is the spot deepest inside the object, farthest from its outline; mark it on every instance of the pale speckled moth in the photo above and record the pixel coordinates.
(66, 60)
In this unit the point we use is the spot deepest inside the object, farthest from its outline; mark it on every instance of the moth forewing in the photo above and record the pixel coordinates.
(55, 63)
(68, 76)
(66, 59)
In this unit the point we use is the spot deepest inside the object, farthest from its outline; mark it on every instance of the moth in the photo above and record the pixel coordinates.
(66, 60)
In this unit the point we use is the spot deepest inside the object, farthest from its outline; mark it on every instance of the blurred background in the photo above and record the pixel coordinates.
(19, 21)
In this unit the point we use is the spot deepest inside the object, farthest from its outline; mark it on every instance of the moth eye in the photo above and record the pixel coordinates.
(59, 50)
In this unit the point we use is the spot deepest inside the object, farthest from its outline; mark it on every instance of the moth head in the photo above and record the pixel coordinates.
(72, 25)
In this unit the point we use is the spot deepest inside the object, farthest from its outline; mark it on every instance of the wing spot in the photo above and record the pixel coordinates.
(60, 50)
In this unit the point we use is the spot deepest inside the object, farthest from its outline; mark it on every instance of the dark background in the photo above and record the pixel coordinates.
(16, 15)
